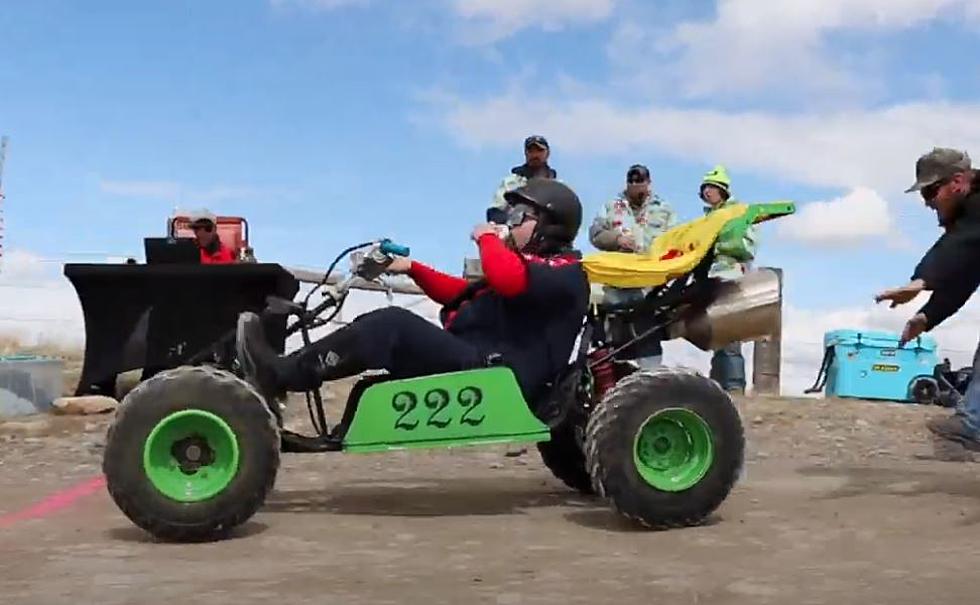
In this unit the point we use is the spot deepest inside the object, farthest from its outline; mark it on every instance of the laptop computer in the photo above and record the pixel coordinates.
(172, 251)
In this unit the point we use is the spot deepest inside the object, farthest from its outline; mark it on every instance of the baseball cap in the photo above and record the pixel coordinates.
(637, 173)
(536, 140)
(940, 163)
(201, 216)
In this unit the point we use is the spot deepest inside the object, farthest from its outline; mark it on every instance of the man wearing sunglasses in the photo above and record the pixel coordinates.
(204, 225)
(629, 223)
(525, 313)
(950, 270)
(536, 154)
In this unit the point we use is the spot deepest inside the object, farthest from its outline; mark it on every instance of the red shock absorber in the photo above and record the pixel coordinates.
(603, 374)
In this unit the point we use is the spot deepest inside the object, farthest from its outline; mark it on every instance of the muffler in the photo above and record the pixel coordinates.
(744, 309)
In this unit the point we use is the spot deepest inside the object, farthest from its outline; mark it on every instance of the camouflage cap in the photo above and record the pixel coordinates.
(536, 140)
(938, 164)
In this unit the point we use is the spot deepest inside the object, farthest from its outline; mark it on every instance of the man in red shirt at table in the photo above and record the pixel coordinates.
(204, 224)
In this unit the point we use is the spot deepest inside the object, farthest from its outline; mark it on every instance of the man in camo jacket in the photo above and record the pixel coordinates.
(536, 153)
(629, 223)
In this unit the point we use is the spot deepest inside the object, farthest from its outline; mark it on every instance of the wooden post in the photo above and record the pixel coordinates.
(767, 354)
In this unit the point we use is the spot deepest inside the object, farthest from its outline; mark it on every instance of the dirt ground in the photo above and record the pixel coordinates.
(838, 506)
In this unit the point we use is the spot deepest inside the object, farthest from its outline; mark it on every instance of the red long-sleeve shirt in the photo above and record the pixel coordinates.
(438, 286)
(220, 255)
(503, 269)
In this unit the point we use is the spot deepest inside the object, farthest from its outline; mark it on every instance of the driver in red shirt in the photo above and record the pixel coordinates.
(213, 252)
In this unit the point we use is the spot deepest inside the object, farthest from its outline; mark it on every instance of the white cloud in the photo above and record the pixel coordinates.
(323, 5)
(37, 304)
(850, 219)
(486, 21)
(759, 15)
(873, 147)
(22, 266)
(755, 45)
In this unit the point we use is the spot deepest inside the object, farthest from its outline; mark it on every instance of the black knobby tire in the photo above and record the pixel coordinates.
(925, 391)
(213, 391)
(564, 457)
(616, 422)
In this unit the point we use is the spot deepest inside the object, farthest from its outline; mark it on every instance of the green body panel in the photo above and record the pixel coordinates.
(458, 408)
(732, 240)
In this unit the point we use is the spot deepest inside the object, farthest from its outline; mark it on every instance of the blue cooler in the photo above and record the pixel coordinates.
(869, 365)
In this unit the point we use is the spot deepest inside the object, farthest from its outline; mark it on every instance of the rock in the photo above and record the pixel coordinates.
(514, 453)
(84, 406)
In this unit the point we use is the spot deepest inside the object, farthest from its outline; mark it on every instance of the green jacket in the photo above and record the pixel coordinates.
(735, 249)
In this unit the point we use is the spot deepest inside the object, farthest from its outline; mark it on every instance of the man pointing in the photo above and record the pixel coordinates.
(950, 270)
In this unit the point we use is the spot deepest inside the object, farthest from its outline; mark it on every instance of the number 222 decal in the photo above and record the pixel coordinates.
(436, 401)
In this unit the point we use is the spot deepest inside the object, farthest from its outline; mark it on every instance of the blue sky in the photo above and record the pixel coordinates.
(330, 121)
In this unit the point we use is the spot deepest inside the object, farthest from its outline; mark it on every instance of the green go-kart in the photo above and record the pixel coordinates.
(194, 451)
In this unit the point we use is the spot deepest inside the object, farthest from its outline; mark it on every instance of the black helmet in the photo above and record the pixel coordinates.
(560, 208)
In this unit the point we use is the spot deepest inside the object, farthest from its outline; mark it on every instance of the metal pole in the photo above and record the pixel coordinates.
(767, 355)
(3, 157)
(314, 277)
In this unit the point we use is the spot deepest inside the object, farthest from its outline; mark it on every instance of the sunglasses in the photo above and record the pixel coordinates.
(512, 216)
(931, 191)
(205, 228)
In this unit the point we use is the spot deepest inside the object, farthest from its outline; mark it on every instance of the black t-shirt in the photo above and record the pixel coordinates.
(951, 267)
(534, 331)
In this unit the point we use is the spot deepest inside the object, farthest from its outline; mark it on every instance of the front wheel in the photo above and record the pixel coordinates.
(192, 453)
(665, 447)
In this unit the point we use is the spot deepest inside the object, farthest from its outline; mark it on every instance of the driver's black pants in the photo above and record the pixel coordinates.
(392, 339)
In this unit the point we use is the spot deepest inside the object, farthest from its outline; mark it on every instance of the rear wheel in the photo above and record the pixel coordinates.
(665, 447)
(192, 453)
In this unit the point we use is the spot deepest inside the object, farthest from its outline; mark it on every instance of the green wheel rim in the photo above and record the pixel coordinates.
(191, 455)
(673, 449)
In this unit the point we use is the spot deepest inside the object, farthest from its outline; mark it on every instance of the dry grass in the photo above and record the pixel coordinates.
(10, 345)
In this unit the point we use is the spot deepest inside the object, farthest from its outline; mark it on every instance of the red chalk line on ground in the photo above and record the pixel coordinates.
(55, 502)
